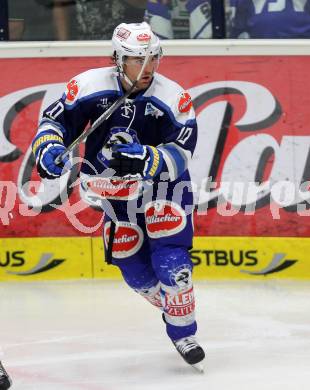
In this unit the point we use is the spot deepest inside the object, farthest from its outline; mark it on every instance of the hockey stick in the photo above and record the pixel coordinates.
(110, 243)
(106, 115)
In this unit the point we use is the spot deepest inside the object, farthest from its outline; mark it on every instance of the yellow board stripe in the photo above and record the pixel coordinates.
(251, 258)
(231, 258)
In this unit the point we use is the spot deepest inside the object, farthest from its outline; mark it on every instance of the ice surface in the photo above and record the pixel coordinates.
(100, 335)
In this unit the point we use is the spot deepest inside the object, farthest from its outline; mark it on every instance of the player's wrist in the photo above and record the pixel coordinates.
(154, 162)
(43, 139)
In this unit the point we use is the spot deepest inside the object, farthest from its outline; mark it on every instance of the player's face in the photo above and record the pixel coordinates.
(133, 65)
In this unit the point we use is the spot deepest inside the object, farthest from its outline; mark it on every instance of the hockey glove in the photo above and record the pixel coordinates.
(134, 160)
(47, 147)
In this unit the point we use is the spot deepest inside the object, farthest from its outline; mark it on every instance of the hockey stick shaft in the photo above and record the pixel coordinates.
(106, 113)
(81, 138)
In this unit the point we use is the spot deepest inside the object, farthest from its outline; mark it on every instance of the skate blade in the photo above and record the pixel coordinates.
(198, 367)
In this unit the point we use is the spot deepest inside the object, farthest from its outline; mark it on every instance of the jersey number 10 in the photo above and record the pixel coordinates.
(184, 135)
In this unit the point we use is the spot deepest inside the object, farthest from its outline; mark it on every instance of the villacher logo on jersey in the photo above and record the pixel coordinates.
(72, 90)
(127, 241)
(164, 218)
(114, 189)
(185, 102)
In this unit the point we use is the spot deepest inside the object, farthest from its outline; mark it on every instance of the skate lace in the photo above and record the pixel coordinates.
(186, 344)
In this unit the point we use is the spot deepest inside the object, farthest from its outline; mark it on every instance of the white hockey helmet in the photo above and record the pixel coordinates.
(132, 39)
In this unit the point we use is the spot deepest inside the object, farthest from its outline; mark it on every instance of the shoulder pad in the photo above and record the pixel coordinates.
(90, 82)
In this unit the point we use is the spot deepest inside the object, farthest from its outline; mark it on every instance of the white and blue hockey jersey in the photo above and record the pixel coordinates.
(160, 116)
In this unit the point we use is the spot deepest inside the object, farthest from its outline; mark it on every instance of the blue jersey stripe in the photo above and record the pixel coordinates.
(180, 163)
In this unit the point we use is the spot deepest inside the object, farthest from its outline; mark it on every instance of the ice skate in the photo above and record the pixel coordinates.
(5, 381)
(191, 352)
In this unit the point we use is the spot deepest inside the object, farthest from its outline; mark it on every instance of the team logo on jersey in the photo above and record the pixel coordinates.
(164, 218)
(72, 90)
(128, 109)
(128, 239)
(123, 34)
(117, 135)
(185, 102)
(143, 37)
(181, 276)
(113, 189)
(152, 110)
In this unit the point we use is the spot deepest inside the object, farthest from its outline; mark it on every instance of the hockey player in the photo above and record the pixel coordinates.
(150, 137)
(5, 381)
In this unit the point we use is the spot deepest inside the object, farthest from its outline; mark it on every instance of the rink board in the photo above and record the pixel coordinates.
(245, 105)
(250, 258)
(43, 258)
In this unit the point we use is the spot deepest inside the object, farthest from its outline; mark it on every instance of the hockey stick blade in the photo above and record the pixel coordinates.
(198, 367)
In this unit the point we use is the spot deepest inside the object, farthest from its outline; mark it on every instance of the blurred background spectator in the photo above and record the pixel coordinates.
(180, 19)
(70, 19)
(269, 18)
(36, 20)
(47, 20)
(96, 19)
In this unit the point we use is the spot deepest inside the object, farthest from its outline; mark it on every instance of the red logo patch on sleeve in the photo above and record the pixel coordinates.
(185, 102)
(72, 90)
